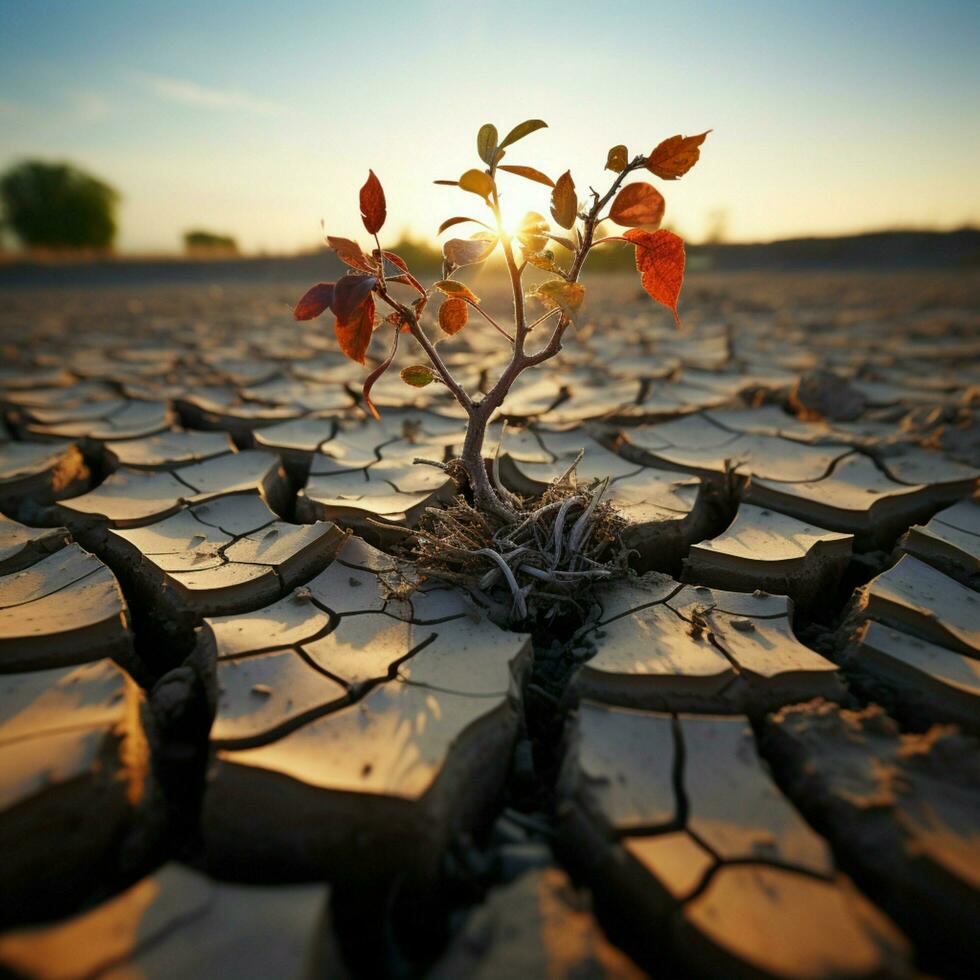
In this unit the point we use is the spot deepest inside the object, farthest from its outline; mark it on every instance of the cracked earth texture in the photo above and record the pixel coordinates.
(228, 748)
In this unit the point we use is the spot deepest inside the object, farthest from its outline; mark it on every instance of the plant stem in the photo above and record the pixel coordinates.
(520, 323)
(418, 333)
(480, 412)
(479, 416)
(585, 244)
(486, 316)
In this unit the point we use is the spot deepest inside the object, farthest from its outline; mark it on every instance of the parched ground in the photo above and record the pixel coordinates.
(230, 745)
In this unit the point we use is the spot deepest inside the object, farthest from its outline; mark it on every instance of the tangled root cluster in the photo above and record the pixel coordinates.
(540, 564)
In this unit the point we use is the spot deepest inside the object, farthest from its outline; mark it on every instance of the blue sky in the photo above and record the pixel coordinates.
(261, 119)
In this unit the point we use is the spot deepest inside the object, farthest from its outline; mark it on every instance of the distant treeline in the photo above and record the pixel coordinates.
(895, 250)
(874, 250)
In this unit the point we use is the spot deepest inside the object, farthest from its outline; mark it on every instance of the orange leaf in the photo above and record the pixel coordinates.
(660, 262)
(528, 173)
(375, 374)
(350, 253)
(675, 156)
(373, 210)
(315, 300)
(564, 203)
(453, 315)
(355, 334)
(638, 204)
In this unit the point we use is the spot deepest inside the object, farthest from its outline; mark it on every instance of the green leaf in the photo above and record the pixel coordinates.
(528, 173)
(452, 288)
(417, 375)
(477, 182)
(521, 130)
(486, 143)
(564, 203)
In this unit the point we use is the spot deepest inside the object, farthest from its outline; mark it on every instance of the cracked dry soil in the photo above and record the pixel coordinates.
(227, 749)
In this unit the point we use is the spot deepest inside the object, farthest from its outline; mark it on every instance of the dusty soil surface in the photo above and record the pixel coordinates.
(231, 746)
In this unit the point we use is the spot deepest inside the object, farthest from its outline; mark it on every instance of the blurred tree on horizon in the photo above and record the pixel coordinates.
(197, 241)
(58, 206)
(418, 254)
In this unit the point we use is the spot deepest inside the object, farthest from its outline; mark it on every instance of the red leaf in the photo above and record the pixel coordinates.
(675, 156)
(638, 204)
(375, 374)
(350, 253)
(395, 259)
(354, 335)
(453, 315)
(315, 300)
(373, 212)
(660, 262)
(349, 294)
(408, 279)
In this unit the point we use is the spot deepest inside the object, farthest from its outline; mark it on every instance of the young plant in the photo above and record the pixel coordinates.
(638, 207)
(547, 550)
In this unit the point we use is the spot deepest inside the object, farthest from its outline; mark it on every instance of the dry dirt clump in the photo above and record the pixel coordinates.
(536, 566)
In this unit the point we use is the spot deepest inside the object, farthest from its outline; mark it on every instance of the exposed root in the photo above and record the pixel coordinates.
(542, 564)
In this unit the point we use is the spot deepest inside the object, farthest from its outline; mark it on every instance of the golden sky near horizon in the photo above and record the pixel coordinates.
(260, 120)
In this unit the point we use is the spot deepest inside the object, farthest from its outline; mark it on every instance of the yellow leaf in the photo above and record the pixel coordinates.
(543, 260)
(452, 288)
(477, 182)
(533, 231)
(567, 296)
